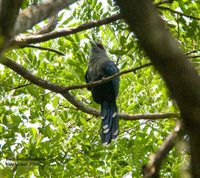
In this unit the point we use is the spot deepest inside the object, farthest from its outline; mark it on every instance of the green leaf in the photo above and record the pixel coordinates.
(34, 133)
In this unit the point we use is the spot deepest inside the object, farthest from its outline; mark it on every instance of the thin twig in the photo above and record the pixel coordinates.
(190, 52)
(194, 56)
(164, 2)
(152, 170)
(107, 78)
(44, 48)
(177, 12)
(20, 86)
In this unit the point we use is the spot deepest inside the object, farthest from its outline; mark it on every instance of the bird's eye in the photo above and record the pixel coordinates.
(100, 45)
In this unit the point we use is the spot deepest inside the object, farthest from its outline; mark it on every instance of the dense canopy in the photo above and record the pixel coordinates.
(48, 130)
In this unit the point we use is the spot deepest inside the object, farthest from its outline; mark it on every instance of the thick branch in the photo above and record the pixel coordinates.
(24, 40)
(152, 170)
(30, 77)
(125, 116)
(36, 13)
(49, 27)
(8, 14)
(57, 88)
(65, 93)
(180, 76)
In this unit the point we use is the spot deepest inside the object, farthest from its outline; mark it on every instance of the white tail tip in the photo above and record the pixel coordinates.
(105, 144)
(105, 126)
(106, 131)
(114, 114)
(116, 132)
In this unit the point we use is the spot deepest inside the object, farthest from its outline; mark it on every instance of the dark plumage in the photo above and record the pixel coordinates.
(105, 94)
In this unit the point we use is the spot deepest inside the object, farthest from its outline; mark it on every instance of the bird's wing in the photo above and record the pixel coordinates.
(110, 68)
(87, 79)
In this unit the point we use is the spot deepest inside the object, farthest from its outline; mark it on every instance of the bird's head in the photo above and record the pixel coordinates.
(98, 52)
(97, 47)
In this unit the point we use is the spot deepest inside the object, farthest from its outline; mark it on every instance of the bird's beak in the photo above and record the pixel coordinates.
(92, 43)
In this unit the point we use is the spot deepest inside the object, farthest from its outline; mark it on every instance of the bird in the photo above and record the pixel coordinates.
(100, 67)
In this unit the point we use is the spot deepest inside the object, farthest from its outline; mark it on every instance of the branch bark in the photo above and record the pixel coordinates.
(51, 25)
(152, 170)
(24, 40)
(57, 88)
(36, 13)
(8, 14)
(107, 78)
(65, 93)
(180, 76)
(31, 39)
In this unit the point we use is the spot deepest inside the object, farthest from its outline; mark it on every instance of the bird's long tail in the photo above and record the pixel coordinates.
(110, 122)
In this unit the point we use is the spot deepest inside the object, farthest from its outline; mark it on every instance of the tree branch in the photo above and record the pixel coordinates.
(179, 74)
(107, 78)
(8, 14)
(194, 51)
(73, 87)
(164, 2)
(44, 48)
(65, 93)
(177, 12)
(24, 40)
(153, 116)
(36, 13)
(152, 170)
(20, 86)
(192, 57)
(52, 22)
(57, 88)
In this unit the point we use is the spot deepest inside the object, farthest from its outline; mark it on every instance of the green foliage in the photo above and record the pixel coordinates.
(52, 138)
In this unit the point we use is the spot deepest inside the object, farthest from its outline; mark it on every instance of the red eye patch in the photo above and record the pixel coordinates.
(100, 45)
